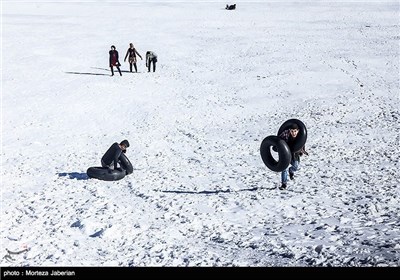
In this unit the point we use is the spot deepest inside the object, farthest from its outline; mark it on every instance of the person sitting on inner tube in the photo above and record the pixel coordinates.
(113, 153)
(289, 135)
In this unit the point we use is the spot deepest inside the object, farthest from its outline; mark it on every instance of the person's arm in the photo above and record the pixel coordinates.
(303, 151)
(138, 54)
(127, 53)
(116, 157)
(118, 63)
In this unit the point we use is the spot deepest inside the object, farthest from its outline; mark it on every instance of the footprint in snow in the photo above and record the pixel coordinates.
(97, 233)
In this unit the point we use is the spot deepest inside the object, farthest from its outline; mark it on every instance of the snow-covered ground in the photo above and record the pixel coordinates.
(200, 194)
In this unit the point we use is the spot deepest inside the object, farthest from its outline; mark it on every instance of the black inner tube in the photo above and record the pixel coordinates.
(126, 164)
(106, 174)
(301, 136)
(283, 150)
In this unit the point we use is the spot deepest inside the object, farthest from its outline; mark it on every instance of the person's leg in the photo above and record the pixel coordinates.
(284, 176)
(134, 64)
(130, 66)
(119, 70)
(103, 164)
(154, 66)
(112, 71)
(294, 167)
(148, 66)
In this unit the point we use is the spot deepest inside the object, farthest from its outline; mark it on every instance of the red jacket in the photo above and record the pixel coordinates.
(114, 58)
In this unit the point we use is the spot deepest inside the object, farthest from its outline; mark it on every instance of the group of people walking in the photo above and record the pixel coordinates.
(131, 53)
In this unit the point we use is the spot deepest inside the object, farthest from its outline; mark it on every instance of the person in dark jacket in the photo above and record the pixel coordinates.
(151, 57)
(114, 60)
(113, 153)
(289, 135)
(132, 52)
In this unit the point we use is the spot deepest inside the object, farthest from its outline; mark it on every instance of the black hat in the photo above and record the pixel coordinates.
(125, 143)
(294, 126)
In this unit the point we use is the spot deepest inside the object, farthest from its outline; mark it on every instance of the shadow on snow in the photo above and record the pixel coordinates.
(97, 74)
(74, 175)
(87, 73)
(215, 192)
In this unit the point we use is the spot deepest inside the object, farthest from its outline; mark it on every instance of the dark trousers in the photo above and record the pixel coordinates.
(103, 164)
(112, 70)
(154, 65)
(134, 65)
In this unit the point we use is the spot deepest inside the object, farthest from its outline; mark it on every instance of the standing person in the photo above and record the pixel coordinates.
(132, 52)
(113, 153)
(151, 57)
(114, 60)
(289, 135)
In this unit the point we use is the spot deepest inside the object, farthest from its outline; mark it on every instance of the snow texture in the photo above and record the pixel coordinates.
(200, 194)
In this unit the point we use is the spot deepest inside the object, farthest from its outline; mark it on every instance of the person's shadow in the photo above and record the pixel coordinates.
(74, 175)
(96, 74)
(86, 73)
(214, 191)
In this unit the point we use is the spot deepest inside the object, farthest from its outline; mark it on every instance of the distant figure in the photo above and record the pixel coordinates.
(230, 7)
(151, 57)
(289, 136)
(113, 153)
(114, 60)
(132, 52)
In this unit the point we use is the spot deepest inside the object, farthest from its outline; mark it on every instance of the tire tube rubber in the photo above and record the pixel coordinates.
(125, 164)
(301, 136)
(285, 156)
(105, 174)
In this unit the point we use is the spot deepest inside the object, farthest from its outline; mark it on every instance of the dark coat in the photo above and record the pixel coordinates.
(114, 58)
(285, 135)
(112, 155)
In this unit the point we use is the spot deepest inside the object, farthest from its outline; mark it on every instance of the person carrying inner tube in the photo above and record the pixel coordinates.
(289, 136)
(113, 153)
